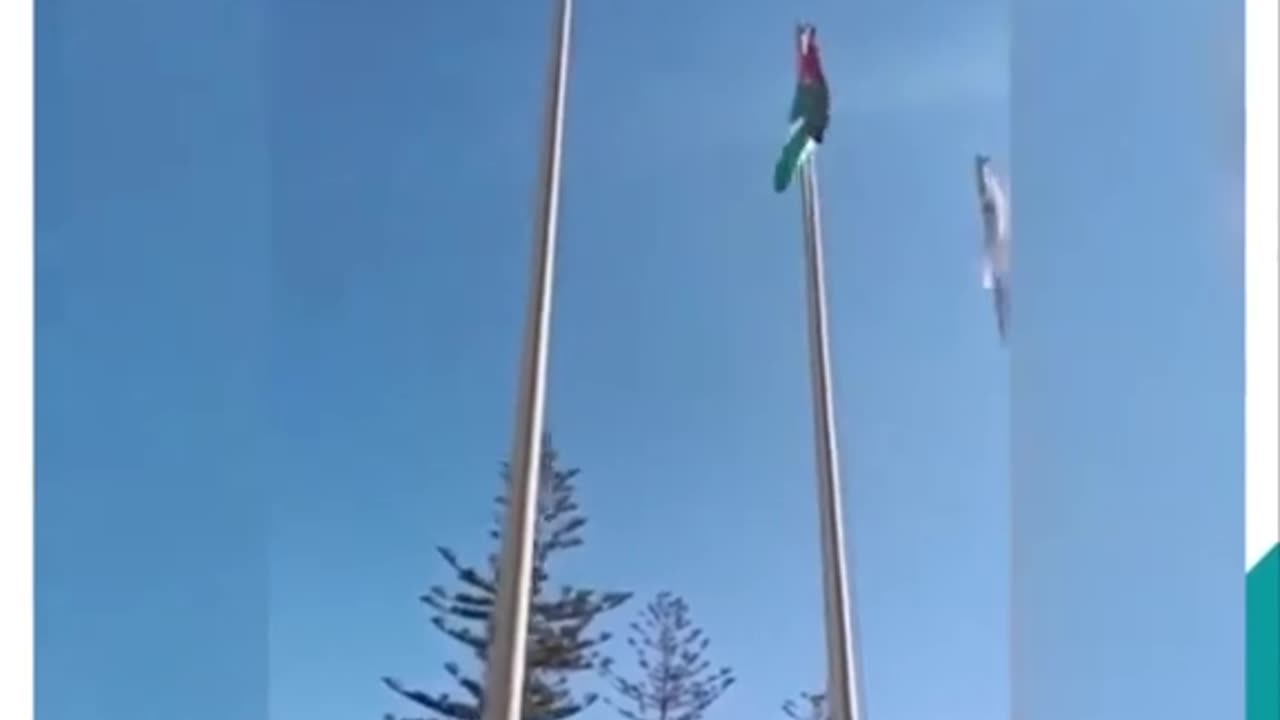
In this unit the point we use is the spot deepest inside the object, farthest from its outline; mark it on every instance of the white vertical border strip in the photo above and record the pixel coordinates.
(16, 324)
(1262, 260)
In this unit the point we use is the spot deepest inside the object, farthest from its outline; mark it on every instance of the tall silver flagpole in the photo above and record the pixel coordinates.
(844, 696)
(505, 670)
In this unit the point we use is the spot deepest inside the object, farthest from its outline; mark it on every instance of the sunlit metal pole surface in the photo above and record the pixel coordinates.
(505, 667)
(844, 696)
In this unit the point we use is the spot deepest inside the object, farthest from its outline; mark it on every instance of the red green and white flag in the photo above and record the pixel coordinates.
(810, 109)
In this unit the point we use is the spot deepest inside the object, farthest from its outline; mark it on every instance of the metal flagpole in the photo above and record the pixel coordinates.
(505, 668)
(844, 696)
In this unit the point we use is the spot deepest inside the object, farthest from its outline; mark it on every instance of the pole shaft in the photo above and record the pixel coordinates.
(505, 667)
(844, 695)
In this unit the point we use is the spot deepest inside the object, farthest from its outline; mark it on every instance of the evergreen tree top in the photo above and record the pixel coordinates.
(560, 642)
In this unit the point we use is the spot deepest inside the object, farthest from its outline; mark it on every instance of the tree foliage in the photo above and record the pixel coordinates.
(811, 706)
(560, 641)
(676, 681)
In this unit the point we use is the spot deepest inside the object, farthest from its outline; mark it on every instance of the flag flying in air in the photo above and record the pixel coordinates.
(995, 246)
(810, 110)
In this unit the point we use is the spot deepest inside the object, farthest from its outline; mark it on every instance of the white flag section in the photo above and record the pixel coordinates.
(995, 241)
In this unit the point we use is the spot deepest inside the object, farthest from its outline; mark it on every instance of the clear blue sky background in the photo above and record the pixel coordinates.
(1127, 373)
(403, 146)
(281, 266)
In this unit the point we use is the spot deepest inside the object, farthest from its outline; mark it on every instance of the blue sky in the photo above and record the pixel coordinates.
(403, 159)
(151, 262)
(1127, 373)
(281, 263)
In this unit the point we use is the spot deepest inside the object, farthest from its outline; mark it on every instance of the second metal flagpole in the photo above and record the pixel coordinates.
(504, 679)
(844, 696)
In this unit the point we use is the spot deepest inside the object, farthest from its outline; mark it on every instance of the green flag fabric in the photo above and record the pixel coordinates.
(810, 110)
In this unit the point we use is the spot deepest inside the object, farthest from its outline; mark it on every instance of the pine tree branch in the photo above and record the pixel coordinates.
(559, 644)
(441, 703)
(675, 679)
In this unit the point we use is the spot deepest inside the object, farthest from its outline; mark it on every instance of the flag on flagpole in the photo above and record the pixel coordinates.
(810, 109)
(995, 246)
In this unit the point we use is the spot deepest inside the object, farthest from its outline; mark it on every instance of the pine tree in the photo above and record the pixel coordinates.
(676, 681)
(559, 644)
(812, 706)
